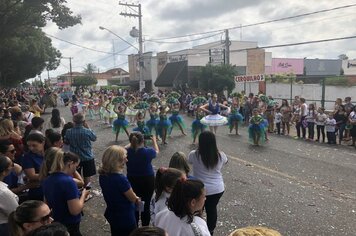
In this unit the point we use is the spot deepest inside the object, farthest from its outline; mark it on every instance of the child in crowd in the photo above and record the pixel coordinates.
(278, 120)
(310, 119)
(330, 125)
(91, 111)
(166, 179)
(320, 124)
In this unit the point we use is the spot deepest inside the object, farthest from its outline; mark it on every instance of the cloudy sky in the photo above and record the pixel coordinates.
(169, 18)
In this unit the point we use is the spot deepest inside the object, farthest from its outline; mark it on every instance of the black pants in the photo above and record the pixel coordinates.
(278, 125)
(311, 130)
(300, 126)
(115, 231)
(331, 137)
(211, 203)
(73, 229)
(143, 186)
(320, 129)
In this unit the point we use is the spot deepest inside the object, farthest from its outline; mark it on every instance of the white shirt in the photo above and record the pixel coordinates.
(160, 205)
(278, 117)
(175, 226)
(48, 125)
(8, 202)
(330, 125)
(321, 118)
(353, 116)
(212, 178)
(305, 109)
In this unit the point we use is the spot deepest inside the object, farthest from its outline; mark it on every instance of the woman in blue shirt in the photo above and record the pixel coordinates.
(119, 197)
(32, 162)
(140, 171)
(60, 190)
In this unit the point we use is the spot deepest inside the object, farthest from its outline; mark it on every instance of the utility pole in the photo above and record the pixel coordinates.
(138, 15)
(227, 47)
(70, 69)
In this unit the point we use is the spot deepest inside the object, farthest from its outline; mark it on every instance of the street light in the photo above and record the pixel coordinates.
(103, 28)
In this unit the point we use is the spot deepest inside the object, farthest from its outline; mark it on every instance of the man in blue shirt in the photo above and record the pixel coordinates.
(79, 139)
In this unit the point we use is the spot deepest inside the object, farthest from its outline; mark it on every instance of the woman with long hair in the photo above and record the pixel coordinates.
(140, 170)
(207, 162)
(32, 162)
(61, 192)
(29, 216)
(186, 201)
(35, 109)
(119, 197)
(56, 122)
(8, 132)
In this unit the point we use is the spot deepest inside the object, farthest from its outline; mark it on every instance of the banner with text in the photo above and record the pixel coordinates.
(249, 78)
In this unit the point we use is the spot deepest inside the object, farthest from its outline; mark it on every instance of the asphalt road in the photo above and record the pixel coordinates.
(293, 186)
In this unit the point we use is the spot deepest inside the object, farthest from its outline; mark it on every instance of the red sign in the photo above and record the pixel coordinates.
(249, 78)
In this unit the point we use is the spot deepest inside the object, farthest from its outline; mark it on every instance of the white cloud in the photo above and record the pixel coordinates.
(167, 18)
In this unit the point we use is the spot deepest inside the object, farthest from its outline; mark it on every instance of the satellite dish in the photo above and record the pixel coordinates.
(134, 32)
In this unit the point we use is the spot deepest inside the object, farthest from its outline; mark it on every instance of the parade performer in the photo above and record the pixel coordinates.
(141, 126)
(235, 116)
(164, 123)
(175, 118)
(152, 123)
(91, 111)
(130, 111)
(120, 123)
(197, 126)
(256, 129)
(213, 119)
(109, 113)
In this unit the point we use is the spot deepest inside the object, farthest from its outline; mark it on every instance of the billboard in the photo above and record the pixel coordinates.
(249, 78)
(322, 67)
(255, 61)
(285, 66)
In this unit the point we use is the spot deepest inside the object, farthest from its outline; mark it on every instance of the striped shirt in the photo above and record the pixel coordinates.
(79, 140)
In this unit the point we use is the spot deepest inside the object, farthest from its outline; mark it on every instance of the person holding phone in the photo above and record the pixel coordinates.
(61, 192)
(140, 171)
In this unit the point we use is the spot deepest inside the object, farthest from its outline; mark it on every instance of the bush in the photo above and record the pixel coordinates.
(337, 81)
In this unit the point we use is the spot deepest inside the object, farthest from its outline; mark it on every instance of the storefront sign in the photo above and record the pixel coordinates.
(249, 78)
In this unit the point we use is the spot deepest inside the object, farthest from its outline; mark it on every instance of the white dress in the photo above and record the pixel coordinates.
(175, 226)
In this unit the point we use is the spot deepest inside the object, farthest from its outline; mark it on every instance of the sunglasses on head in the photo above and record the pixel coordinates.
(43, 219)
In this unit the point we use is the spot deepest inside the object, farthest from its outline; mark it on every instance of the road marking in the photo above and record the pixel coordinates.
(292, 178)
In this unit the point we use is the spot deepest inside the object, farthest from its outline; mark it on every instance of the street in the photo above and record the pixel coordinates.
(293, 186)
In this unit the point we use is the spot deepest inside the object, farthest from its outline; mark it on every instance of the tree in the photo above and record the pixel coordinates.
(90, 69)
(216, 78)
(25, 50)
(84, 81)
(343, 57)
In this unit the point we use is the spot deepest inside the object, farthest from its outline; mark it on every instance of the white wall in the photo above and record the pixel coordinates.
(308, 91)
(102, 82)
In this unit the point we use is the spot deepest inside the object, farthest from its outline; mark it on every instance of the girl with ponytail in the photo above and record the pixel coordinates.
(60, 190)
(166, 179)
(186, 201)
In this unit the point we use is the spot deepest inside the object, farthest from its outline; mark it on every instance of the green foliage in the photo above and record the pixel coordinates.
(281, 78)
(84, 81)
(25, 51)
(90, 69)
(337, 81)
(215, 78)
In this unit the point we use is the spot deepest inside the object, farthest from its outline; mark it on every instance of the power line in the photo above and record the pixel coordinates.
(84, 47)
(186, 41)
(261, 23)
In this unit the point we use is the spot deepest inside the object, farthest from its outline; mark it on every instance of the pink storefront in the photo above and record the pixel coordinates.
(285, 65)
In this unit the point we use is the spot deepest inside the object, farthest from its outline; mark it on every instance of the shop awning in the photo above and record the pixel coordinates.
(172, 73)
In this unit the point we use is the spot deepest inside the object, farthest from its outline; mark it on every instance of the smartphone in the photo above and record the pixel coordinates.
(88, 186)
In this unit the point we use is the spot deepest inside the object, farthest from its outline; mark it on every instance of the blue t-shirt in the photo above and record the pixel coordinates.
(139, 162)
(119, 210)
(11, 180)
(59, 188)
(29, 161)
(214, 109)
